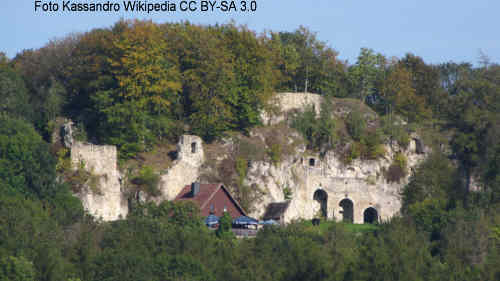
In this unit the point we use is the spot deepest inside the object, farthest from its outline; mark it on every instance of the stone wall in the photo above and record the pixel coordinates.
(186, 168)
(362, 182)
(100, 160)
(286, 102)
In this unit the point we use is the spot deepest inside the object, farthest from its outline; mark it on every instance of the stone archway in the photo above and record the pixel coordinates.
(347, 210)
(370, 215)
(322, 197)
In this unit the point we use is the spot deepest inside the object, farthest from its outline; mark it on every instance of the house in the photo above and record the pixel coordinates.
(212, 199)
(276, 211)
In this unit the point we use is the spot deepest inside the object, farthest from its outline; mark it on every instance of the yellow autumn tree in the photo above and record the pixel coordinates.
(401, 97)
(144, 70)
(138, 110)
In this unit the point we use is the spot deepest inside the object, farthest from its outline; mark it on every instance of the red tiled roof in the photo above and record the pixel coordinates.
(207, 191)
(203, 196)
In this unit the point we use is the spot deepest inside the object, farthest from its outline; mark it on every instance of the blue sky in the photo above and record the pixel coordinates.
(438, 31)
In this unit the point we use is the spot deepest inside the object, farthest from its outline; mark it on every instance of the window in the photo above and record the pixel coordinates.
(212, 208)
(311, 162)
(193, 147)
(225, 208)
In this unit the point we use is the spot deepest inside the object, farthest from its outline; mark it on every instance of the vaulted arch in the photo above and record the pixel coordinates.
(347, 210)
(370, 215)
(322, 197)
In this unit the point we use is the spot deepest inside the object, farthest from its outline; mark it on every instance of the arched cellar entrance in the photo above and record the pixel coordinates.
(322, 197)
(347, 210)
(370, 215)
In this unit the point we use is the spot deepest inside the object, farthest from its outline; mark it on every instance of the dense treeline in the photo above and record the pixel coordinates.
(138, 83)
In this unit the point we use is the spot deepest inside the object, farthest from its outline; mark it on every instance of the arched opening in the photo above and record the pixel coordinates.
(193, 147)
(347, 210)
(322, 197)
(312, 162)
(370, 215)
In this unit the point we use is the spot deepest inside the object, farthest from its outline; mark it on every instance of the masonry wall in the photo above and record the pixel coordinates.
(100, 160)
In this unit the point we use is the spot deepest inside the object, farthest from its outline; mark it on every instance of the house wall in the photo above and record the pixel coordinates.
(219, 200)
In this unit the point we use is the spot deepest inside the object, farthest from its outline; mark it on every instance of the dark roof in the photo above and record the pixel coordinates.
(276, 210)
(207, 192)
(244, 220)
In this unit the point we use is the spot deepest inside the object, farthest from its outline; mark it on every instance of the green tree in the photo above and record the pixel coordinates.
(13, 93)
(364, 74)
(16, 269)
(225, 225)
(137, 112)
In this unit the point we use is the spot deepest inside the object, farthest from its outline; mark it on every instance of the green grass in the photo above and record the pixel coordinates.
(349, 227)
(360, 228)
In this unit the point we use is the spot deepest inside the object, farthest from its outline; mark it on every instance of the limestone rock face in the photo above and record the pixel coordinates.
(186, 168)
(67, 132)
(100, 160)
(362, 183)
(318, 185)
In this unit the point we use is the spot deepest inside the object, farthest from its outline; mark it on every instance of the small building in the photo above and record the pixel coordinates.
(213, 199)
(276, 211)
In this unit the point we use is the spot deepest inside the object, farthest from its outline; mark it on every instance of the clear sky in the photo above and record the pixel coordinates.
(438, 30)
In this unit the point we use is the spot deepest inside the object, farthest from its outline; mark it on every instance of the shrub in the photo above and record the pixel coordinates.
(400, 160)
(274, 152)
(396, 131)
(287, 192)
(147, 180)
(63, 161)
(355, 125)
(241, 169)
(225, 224)
(318, 132)
(82, 177)
(372, 148)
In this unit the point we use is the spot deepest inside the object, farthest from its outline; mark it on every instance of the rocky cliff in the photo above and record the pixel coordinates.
(314, 184)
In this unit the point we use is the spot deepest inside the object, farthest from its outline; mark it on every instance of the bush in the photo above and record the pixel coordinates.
(274, 152)
(373, 148)
(396, 131)
(225, 225)
(81, 178)
(318, 132)
(401, 161)
(356, 125)
(26, 165)
(287, 192)
(241, 169)
(147, 180)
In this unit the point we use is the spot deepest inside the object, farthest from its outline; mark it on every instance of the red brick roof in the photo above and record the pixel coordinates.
(207, 191)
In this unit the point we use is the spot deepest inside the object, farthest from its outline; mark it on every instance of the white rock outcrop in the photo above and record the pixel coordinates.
(100, 160)
(362, 183)
(309, 177)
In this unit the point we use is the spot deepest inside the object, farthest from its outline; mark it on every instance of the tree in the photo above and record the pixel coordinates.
(400, 96)
(137, 111)
(13, 93)
(313, 66)
(225, 225)
(369, 68)
(27, 168)
(26, 165)
(425, 81)
(16, 269)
